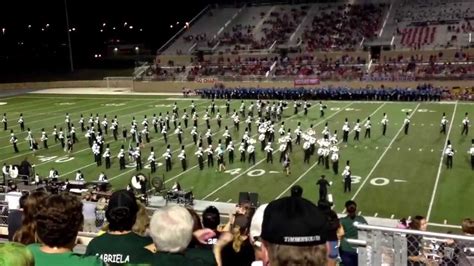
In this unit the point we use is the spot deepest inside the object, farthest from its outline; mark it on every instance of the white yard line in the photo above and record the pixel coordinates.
(433, 194)
(259, 162)
(316, 163)
(381, 157)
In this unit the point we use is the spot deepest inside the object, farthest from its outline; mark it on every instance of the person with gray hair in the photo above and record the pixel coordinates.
(171, 229)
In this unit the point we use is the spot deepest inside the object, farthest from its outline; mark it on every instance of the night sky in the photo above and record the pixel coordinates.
(33, 37)
(33, 33)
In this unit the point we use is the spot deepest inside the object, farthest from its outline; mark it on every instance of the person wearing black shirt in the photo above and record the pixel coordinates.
(15, 217)
(234, 247)
(323, 188)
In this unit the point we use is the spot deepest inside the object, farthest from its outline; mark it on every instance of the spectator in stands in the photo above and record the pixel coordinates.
(296, 191)
(402, 224)
(415, 251)
(27, 233)
(59, 219)
(234, 247)
(211, 219)
(197, 225)
(334, 226)
(88, 211)
(119, 245)
(464, 246)
(15, 216)
(142, 222)
(294, 232)
(348, 252)
(171, 228)
(15, 254)
(256, 231)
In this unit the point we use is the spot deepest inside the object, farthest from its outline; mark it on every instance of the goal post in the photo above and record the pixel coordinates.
(123, 82)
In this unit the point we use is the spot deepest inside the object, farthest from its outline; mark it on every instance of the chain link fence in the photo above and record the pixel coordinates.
(3, 213)
(390, 246)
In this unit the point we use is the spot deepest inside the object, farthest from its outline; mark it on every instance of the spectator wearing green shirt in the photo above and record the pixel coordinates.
(120, 245)
(58, 220)
(347, 252)
(15, 254)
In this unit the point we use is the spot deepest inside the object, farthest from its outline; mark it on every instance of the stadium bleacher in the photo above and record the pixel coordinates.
(278, 42)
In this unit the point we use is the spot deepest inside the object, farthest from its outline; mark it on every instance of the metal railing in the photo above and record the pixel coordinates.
(378, 245)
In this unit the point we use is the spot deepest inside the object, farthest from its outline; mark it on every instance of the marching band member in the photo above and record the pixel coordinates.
(14, 141)
(103, 178)
(242, 151)
(79, 176)
(219, 119)
(367, 126)
(81, 122)
(269, 151)
(210, 156)
(152, 161)
(107, 156)
(21, 122)
(230, 149)
(444, 122)
(200, 155)
(44, 138)
(167, 156)
(227, 136)
(154, 122)
(298, 133)
(449, 151)
(194, 134)
(345, 131)
(465, 125)
(5, 121)
(163, 132)
(347, 178)
(357, 130)
(248, 121)
(307, 152)
(251, 152)
(96, 152)
(61, 137)
(137, 155)
(185, 118)
(384, 123)
(325, 131)
(208, 135)
(406, 123)
(182, 158)
(121, 157)
(335, 159)
(206, 118)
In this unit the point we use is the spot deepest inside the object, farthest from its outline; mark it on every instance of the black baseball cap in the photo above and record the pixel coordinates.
(294, 221)
(122, 210)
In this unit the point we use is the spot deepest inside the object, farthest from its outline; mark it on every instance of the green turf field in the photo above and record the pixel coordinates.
(393, 176)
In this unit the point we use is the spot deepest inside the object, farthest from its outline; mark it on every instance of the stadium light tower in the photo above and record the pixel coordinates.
(71, 63)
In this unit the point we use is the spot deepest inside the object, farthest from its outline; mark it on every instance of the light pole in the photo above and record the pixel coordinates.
(71, 63)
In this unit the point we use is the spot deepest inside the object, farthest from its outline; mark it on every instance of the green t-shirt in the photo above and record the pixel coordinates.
(350, 231)
(120, 249)
(61, 259)
(191, 257)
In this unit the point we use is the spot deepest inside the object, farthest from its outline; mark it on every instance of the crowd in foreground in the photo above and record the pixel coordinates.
(287, 231)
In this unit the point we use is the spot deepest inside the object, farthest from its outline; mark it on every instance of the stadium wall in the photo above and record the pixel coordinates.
(174, 86)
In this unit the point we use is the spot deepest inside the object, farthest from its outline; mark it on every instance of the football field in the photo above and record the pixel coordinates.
(394, 176)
